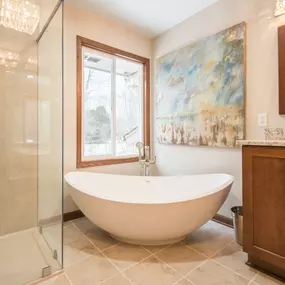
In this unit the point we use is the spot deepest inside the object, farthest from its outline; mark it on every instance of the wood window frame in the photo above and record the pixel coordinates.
(84, 42)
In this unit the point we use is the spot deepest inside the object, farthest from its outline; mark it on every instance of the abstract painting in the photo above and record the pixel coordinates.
(200, 93)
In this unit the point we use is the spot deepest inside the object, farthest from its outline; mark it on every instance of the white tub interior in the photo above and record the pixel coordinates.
(147, 190)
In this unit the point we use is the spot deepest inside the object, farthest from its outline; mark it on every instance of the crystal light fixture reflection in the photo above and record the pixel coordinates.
(31, 63)
(32, 60)
(20, 15)
(280, 7)
(9, 59)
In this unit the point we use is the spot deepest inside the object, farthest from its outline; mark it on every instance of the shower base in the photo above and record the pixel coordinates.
(24, 256)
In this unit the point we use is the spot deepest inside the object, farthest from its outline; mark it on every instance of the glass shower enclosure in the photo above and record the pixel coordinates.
(31, 139)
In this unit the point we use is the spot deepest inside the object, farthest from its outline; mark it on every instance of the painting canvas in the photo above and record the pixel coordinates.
(201, 91)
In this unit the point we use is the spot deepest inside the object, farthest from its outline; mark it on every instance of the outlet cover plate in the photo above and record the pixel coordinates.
(262, 120)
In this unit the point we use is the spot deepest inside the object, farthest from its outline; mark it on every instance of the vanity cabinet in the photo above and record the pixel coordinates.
(264, 207)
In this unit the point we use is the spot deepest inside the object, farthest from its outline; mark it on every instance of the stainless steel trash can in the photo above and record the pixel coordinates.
(237, 215)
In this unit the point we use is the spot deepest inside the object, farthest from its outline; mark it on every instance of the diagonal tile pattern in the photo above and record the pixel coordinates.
(234, 258)
(75, 245)
(91, 270)
(57, 280)
(152, 271)
(209, 256)
(184, 282)
(98, 237)
(124, 256)
(211, 273)
(263, 279)
(210, 238)
(181, 258)
(117, 280)
(155, 249)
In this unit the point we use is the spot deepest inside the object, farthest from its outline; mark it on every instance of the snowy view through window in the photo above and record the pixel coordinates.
(112, 105)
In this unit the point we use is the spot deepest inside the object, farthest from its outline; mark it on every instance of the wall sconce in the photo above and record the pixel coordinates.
(280, 8)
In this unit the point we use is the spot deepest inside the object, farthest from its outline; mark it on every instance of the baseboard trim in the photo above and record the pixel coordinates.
(57, 219)
(72, 215)
(217, 218)
(50, 221)
(78, 214)
(223, 220)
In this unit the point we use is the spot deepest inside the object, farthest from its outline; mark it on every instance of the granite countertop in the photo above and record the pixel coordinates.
(280, 143)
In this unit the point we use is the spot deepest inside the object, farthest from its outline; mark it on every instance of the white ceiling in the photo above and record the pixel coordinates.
(153, 17)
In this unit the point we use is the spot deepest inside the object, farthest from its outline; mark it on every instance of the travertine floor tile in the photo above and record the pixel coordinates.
(57, 280)
(91, 270)
(234, 258)
(211, 273)
(155, 249)
(117, 280)
(76, 246)
(184, 282)
(152, 272)
(181, 258)
(158, 265)
(97, 236)
(125, 255)
(263, 279)
(211, 238)
(66, 224)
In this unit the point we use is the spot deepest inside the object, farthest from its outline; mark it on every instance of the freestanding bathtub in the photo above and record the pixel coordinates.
(149, 210)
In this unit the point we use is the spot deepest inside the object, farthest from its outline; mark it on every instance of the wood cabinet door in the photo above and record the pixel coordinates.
(264, 203)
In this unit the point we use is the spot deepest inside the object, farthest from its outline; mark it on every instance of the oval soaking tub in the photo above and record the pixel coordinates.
(149, 210)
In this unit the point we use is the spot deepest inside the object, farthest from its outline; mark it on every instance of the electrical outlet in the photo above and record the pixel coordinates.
(262, 120)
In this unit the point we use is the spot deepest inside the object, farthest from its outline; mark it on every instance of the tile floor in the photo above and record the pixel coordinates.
(208, 256)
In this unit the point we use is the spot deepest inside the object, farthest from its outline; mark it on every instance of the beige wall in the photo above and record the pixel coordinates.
(262, 84)
(18, 159)
(107, 31)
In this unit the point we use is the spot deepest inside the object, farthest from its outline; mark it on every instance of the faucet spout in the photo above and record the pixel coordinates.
(146, 162)
(146, 153)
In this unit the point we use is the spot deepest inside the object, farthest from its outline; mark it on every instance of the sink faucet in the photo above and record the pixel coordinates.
(146, 162)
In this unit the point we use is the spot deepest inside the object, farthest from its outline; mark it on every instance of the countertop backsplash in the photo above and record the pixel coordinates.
(274, 134)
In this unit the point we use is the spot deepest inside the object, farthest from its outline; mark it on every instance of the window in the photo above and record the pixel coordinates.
(113, 109)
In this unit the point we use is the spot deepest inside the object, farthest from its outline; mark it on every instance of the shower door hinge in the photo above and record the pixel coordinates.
(55, 255)
(46, 271)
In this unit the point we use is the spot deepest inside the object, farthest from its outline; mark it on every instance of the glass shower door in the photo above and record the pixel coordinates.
(30, 140)
(50, 134)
